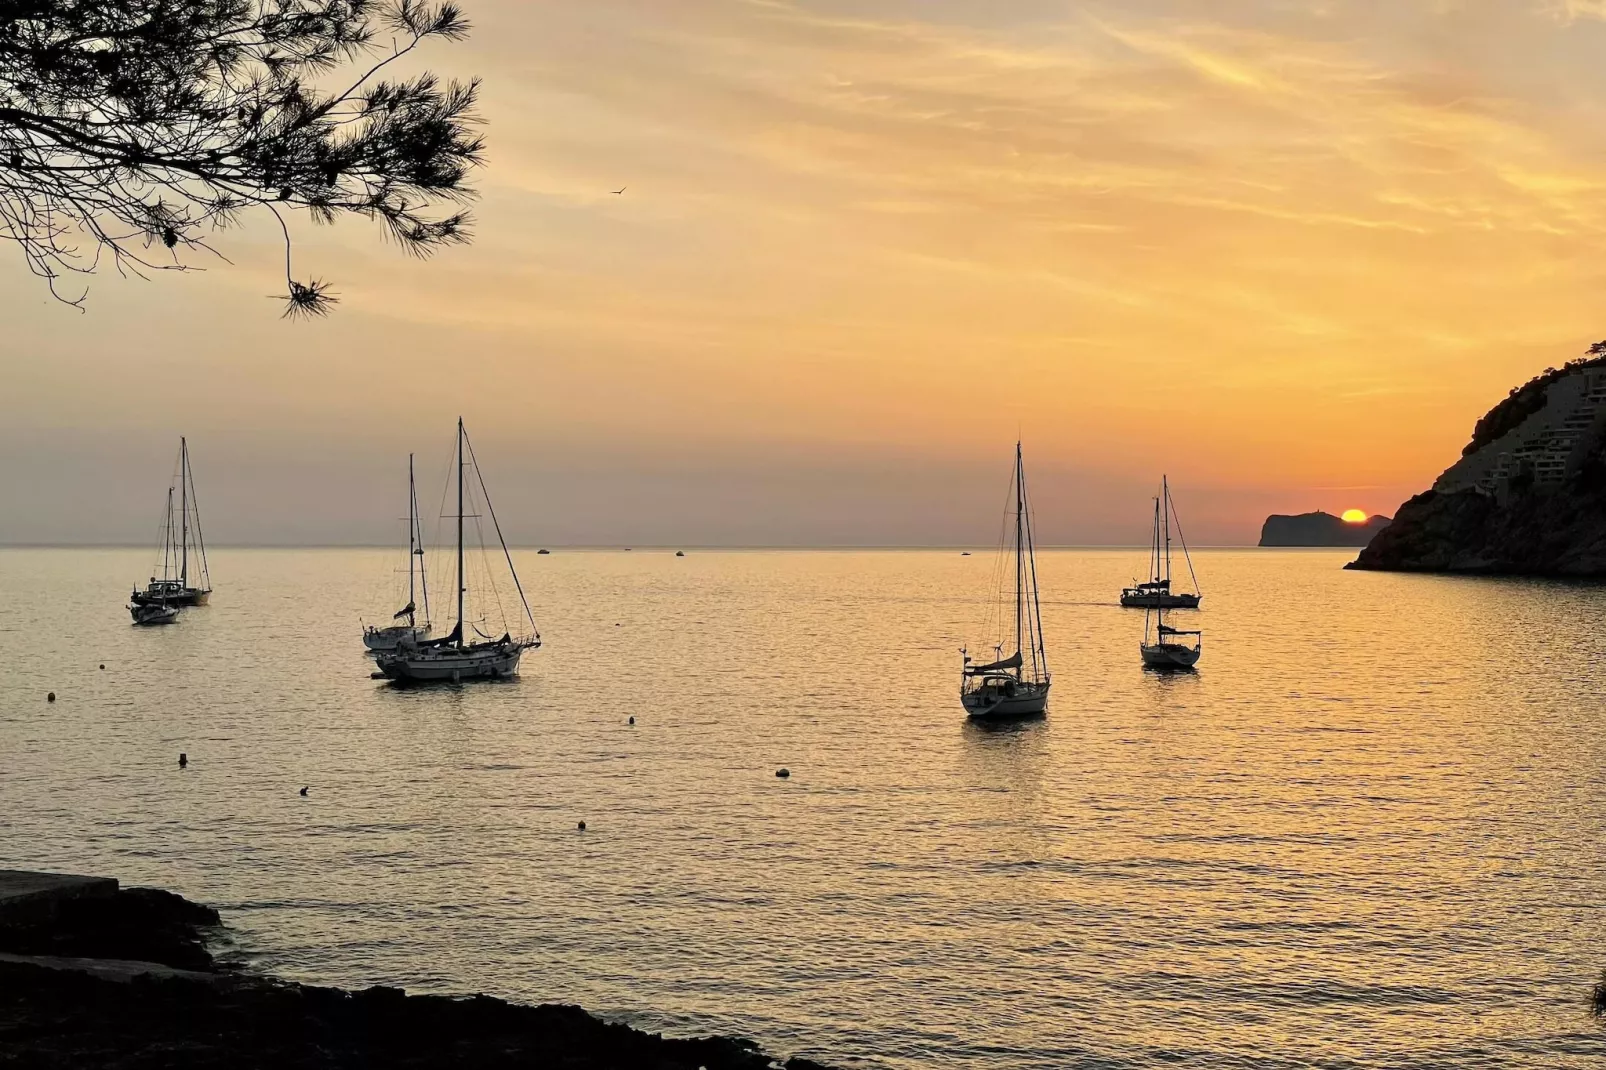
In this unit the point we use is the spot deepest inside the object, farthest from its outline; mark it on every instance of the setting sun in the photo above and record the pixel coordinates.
(1354, 516)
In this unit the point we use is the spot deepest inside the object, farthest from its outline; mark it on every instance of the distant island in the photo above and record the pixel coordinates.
(1319, 529)
(1527, 497)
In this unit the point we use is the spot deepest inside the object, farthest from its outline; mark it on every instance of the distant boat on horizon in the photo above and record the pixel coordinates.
(181, 540)
(1156, 592)
(389, 636)
(455, 656)
(1016, 685)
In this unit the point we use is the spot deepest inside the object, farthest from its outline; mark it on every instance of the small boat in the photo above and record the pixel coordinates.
(404, 622)
(1016, 685)
(680, 553)
(181, 543)
(1156, 592)
(153, 613)
(457, 657)
(540, 553)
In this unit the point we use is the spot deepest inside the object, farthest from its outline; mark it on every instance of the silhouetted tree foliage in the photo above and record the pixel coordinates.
(130, 130)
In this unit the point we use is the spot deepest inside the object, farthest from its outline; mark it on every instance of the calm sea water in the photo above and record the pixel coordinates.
(1369, 832)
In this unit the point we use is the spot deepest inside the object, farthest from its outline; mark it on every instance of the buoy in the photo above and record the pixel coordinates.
(103, 665)
(582, 826)
(632, 720)
(183, 760)
(783, 773)
(50, 697)
(680, 553)
(303, 791)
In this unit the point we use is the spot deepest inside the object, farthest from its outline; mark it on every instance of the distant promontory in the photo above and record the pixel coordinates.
(1527, 497)
(1319, 529)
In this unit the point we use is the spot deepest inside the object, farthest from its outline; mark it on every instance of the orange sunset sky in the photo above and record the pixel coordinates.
(1287, 251)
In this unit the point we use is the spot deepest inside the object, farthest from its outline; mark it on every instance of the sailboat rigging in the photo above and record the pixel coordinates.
(454, 656)
(1156, 592)
(182, 543)
(1016, 685)
(404, 622)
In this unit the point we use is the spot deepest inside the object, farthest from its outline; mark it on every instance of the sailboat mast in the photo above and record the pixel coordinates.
(184, 510)
(460, 532)
(412, 541)
(1154, 545)
(1020, 549)
(167, 538)
(1034, 623)
(1165, 520)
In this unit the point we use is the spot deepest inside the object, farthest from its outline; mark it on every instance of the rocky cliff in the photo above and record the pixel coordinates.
(1527, 497)
(1318, 529)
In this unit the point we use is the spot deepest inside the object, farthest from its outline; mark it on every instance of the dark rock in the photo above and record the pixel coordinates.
(1318, 529)
(79, 1017)
(141, 924)
(1527, 497)
(63, 1018)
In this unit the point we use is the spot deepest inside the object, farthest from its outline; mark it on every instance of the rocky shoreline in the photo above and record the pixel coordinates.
(122, 979)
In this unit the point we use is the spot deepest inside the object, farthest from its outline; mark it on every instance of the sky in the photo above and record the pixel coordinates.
(1285, 251)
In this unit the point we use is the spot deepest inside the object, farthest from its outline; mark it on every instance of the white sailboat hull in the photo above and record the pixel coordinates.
(482, 661)
(1169, 655)
(1029, 700)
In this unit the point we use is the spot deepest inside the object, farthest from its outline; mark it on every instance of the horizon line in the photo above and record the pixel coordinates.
(649, 547)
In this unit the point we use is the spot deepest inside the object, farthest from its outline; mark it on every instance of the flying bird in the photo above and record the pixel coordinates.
(618, 191)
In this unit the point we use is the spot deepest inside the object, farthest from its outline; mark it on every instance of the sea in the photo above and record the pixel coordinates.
(1369, 831)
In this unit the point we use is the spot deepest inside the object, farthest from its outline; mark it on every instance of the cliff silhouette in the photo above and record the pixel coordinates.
(1527, 497)
(1318, 529)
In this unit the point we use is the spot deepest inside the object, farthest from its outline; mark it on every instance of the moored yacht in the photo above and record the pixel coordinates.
(182, 544)
(456, 656)
(1016, 685)
(1156, 592)
(404, 622)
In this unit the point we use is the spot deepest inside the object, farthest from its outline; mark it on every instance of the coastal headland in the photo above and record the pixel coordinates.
(92, 974)
(1527, 497)
(1319, 529)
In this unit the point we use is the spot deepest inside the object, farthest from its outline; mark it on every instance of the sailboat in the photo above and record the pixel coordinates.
(455, 656)
(1156, 592)
(1165, 647)
(1015, 685)
(181, 543)
(404, 622)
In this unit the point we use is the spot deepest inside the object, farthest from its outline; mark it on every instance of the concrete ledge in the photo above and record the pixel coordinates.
(38, 895)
